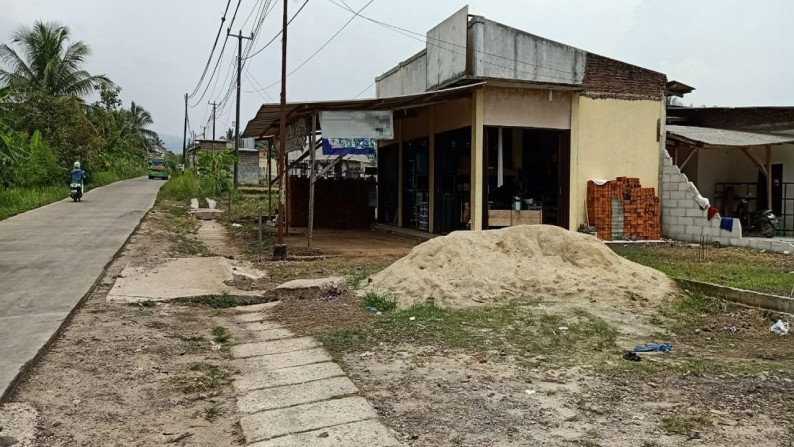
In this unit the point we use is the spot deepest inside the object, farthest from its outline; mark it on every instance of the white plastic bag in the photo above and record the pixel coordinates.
(780, 328)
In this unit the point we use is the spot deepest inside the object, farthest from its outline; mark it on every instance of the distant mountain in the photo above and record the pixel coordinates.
(172, 143)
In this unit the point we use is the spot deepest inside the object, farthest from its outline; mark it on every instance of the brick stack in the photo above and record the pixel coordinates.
(641, 218)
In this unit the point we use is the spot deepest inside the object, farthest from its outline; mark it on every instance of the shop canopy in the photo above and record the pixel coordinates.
(266, 122)
(749, 143)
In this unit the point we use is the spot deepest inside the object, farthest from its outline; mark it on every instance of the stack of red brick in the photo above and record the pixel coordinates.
(641, 219)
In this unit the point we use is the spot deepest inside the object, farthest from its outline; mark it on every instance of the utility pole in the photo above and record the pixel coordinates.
(240, 38)
(184, 137)
(213, 104)
(204, 132)
(280, 249)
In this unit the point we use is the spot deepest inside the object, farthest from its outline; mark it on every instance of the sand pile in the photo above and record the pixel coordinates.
(469, 268)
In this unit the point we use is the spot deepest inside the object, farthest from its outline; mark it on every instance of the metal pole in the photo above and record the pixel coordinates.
(280, 251)
(184, 137)
(240, 38)
(269, 179)
(259, 236)
(312, 176)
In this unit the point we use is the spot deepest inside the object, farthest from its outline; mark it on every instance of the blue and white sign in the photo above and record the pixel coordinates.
(349, 146)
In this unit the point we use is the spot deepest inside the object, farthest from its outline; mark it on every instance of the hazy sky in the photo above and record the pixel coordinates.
(735, 52)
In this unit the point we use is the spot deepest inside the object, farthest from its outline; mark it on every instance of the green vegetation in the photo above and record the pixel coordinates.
(210, 413)
(354, 281)
(181, 188)
(383, 303)
(222, 301)
(685, 424)
(221, 334)
(204, 378)
(743, 269)
(46, 125)
(511, 329)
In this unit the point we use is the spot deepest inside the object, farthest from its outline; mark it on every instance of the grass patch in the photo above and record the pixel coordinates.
(743, 269)
(511, 329)
(18, 200)
(220, 334)
(181, 187)
(685, 424)
(383, 303)
(354, 280)
(204, 378)
(211, 413)
(221, 301)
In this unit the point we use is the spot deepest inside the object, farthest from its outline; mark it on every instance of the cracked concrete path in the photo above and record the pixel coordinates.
(291, 393)
(52, 256)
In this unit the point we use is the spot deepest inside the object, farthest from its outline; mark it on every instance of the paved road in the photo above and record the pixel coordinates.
(49, 259)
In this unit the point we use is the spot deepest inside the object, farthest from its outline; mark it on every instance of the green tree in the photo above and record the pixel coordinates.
(13, 147)
(45, 59)
(215, 170)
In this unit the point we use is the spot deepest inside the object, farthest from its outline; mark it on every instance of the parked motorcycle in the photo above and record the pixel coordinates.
(76, 191)
(763, 222)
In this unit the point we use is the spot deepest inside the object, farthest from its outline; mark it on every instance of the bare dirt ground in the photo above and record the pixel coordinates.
(136, 374)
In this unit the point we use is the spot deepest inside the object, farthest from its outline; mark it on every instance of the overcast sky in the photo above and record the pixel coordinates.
(735, 52)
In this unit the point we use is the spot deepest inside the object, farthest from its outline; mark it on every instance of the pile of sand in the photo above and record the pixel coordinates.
(469, 268)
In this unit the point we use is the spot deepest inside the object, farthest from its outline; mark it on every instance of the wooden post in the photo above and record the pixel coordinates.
(477, 187)
(288, 193)
(769, 177)
(312, 176)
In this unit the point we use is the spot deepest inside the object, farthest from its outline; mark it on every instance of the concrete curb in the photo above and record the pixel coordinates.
(746, 297)
(9, 392)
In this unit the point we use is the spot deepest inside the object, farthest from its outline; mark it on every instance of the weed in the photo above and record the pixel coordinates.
(204, 377)
(177, 211)
(685, 424)
(354, 281)
(192, 338)
(650, 444)
(383, 303)
(698, 303)
(221, 334)
(211, 413)
(590, 443)
(221, 301)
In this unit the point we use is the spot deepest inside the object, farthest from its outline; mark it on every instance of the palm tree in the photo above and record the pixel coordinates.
(140, 119)
(46, 60)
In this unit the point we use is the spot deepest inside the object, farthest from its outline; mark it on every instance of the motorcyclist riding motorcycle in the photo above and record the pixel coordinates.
(76, 185)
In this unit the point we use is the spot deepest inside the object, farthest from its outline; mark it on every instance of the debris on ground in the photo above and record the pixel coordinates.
(780, 328)
(631, 356)
(470, 268)
(661, 347)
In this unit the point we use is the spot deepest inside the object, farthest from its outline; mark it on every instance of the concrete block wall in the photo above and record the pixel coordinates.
(682, 217)
(684, 220)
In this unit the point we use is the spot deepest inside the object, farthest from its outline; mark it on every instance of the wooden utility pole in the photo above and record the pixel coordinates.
(280, 249)
(240, 38)
(214, 105)
(312, 176)
(184, 137)
(768, 166)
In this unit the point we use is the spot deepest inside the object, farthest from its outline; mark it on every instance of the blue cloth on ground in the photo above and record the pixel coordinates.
(726, 223)
(664, 347)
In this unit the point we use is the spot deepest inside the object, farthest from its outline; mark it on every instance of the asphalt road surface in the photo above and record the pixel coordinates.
(52, 256)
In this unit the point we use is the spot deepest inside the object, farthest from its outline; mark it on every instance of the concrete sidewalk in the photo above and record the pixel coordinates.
(292, 394)
(51, 258)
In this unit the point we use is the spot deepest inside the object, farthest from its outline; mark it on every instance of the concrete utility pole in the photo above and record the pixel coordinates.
(184, 137)
(204, 132)
(214, 105)
(280, 249)
(240, 38)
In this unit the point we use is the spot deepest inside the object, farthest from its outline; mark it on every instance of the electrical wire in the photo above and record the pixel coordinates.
(214, 45)
(270, 42)
(306, 61)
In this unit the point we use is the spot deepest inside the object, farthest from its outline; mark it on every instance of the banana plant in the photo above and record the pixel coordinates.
(13, 148)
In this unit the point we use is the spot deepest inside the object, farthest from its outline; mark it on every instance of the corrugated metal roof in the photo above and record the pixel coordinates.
(266, 121)
(722, 137)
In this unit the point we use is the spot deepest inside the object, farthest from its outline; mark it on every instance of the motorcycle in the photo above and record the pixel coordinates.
(763, 222)
(76, 191)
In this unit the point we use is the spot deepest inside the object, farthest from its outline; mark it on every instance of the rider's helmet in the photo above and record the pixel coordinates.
(77, 165)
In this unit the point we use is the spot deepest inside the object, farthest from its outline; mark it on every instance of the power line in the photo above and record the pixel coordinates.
(302, 64)
(365, 90)
(279, 33)
(214, 45)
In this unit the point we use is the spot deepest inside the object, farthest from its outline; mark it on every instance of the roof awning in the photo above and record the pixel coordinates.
(710, 137)
(266, 121)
